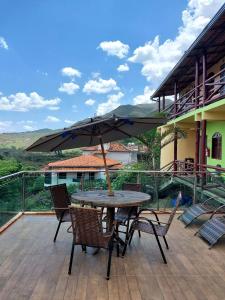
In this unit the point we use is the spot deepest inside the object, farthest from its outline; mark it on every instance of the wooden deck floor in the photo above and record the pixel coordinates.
(33, 267)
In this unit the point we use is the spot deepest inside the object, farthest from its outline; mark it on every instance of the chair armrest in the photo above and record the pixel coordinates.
(151, 211)
(217, 210)
(150, 220)
(109, 233)
(209, 199)
(60, 208)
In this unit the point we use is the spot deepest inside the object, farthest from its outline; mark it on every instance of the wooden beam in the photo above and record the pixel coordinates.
(159, 104)
(196, 82)
(175, 151)
(213, 116)
(175, 97)
(204, 74)
(203, 144)
(197, 145)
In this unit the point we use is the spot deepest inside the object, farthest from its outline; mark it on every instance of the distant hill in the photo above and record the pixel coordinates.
(141, 110)
(24, 139)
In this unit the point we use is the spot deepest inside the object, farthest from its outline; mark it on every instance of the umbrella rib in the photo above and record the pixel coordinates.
(64, 141)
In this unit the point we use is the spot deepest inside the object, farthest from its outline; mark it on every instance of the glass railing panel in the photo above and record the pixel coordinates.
(36, 193)
(11, 201)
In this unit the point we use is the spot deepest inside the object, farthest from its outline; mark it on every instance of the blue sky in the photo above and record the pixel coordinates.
(60, 59)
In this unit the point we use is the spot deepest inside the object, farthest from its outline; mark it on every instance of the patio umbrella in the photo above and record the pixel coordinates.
(95, 131)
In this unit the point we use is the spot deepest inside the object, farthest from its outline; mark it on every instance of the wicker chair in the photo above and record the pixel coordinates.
(125, 214)
(88, 231)
(61, 201)
(156, 227)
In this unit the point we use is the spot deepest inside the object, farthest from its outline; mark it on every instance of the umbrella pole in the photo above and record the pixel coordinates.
(110, 192)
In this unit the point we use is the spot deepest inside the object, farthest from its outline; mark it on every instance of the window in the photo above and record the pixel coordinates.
(48, 178)
(79, 176)
(62, 175)
(217, 146)
(91, 176)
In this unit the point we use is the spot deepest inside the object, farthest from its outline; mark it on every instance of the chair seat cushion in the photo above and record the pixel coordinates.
(146, 227)
(123, 214)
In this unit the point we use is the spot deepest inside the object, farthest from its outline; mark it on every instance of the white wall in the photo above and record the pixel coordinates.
(73, 175)
(123, 157)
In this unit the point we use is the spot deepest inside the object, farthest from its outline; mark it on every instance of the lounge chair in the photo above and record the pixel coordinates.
(61, 201)
(156, 227)
(197, 210)
(214, 228)
(88, 231)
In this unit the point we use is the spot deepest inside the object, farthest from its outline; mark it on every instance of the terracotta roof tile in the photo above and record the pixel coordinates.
(114, 147)
(85, 161)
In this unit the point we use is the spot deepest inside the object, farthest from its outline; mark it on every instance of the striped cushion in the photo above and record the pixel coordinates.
(195, 211)
(213, 229)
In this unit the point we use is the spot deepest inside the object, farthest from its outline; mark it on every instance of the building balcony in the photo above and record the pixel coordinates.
(198, 97)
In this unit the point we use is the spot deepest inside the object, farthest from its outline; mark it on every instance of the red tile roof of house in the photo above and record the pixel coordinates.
(114, 147)
(84, 161)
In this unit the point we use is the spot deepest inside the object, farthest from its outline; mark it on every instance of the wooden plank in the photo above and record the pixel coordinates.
(33, 267)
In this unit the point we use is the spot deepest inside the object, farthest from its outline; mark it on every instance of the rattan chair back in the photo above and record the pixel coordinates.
(60, 198)
(87, 227)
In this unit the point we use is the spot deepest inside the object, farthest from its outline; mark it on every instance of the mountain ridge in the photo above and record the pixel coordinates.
(26, 138)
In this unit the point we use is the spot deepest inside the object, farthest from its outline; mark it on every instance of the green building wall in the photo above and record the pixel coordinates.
(212, 127)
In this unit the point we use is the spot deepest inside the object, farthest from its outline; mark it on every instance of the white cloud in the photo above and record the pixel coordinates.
(112, 103)
(51, 119)
(53, 107)
(25, 102)
(145, 98)
(100, 86)
(90, 102)
(70, 72)
(123, 68)
(115, 48)
(157, 59)
(3, 43)
(95, 74)
(29, 128)
(6, 126)
(69, 87)
(69, 122)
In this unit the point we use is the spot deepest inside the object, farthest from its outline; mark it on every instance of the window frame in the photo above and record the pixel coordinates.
(217, 146)
(61, 177)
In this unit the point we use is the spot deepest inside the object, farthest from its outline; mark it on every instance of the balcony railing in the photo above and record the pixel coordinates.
(26, 192)
(203, 94)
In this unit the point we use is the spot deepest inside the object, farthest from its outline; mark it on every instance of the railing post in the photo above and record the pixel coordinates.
(175, 97)
(175, 151)
(159, 104)
(203, 151)
(196, 82)
(23, 192)
(195, 188)
(164, 102)
(204, 67)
